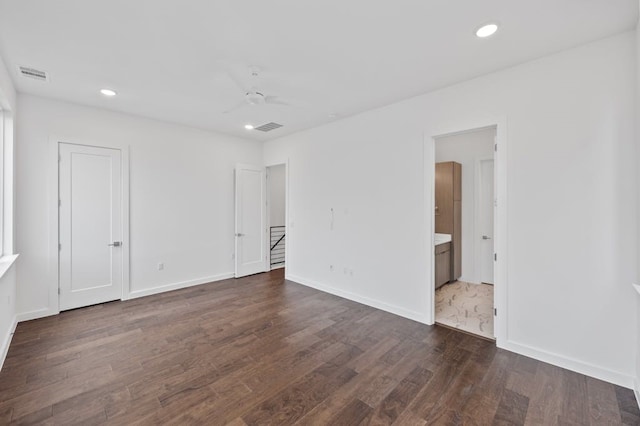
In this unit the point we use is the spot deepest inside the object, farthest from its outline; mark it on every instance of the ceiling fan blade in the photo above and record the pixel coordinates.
(236, 107)
(234, 76)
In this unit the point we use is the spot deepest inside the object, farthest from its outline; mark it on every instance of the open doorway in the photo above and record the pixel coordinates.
(276, 215)
(464, 215)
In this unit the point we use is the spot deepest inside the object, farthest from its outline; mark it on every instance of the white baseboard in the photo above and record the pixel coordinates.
(581, 367)
(7, 341)
(405, 313)
(575, 365)
(45, 312)
(38, 313)
(636, 390)
(277, 267)
(176, 286)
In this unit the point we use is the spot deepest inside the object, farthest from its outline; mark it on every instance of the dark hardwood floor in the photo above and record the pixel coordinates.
(263, 350)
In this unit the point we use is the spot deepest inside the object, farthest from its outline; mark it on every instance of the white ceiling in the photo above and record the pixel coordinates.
(337, 56)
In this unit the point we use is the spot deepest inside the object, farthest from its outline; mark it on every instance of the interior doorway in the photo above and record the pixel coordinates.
(92, 222)
(276, 215)
(464, 218)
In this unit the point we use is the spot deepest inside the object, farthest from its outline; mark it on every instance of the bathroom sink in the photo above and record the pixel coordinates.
(442, 238)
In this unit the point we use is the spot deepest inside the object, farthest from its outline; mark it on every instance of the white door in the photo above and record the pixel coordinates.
(90, 215)
(486, 203)
(250, 235)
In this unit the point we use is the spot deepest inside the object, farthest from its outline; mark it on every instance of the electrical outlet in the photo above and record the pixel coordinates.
(160, 266)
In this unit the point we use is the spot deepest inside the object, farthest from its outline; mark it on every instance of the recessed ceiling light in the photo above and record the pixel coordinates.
(248, 126)
(487, 30)
(108, 92)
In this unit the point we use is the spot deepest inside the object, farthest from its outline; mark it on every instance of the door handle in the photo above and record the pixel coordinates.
(239, 235)
(115, 244)
(485, 237)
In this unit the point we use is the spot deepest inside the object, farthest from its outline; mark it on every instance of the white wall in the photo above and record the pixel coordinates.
(181, 196)
(467, 149)
(7, 268)
(571, 225)
(276, 185)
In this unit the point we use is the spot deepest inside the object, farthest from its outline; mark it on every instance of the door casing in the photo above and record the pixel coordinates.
(53, 271)
(500, 217)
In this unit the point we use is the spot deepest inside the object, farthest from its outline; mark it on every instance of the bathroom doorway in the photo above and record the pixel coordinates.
(464, 253)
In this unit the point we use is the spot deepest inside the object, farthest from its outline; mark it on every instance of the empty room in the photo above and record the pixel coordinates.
(323, 213)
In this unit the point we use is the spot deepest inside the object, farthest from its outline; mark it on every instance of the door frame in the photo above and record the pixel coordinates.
(500, 217)
(287, 217)
(477, 249)
(54, 218)
(286, 211)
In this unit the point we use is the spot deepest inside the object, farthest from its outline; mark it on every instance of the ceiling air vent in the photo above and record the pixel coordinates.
(33, 73)
(268, 127)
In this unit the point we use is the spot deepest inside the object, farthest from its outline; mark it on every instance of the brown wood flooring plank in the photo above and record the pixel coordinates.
(264, 350)
(355, 413)
(512, 409)
(628, 406)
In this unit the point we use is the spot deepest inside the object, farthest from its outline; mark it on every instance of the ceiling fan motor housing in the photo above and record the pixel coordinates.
(255, 98)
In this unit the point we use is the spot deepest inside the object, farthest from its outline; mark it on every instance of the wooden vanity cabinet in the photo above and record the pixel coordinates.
(443, 264)
(448, 210)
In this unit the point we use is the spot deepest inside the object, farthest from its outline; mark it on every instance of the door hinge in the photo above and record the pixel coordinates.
(495, 257)
(495, 147)
(59, 247)
(59, 203)
(59, 158)
(495, 312)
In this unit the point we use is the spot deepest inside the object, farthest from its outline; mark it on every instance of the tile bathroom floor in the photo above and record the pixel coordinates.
(466, 306)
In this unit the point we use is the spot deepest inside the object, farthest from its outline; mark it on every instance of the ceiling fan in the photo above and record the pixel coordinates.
(252, 94)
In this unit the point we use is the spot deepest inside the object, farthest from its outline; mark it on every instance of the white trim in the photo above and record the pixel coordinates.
(636, 391)
(53, 272)
(46, 312)
(6, 262)
(500, 218)
(572, 364)
(8, 197)
(38, 313)
(429, 153)
(267, 215)
(4, 349)
(287, 229)
(179, 285)
(405, 313)
(54, 220)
